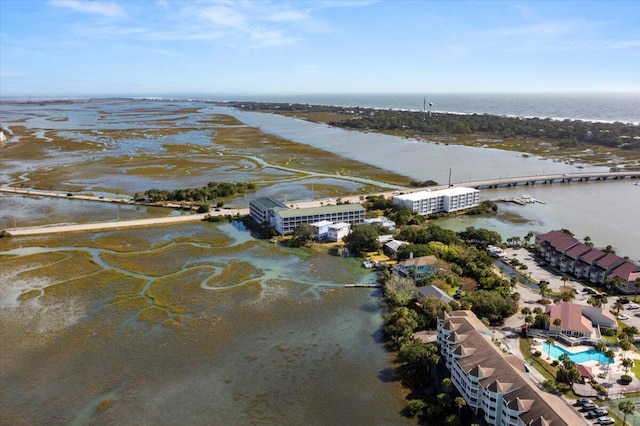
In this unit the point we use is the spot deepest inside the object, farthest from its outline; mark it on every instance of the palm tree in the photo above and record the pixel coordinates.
(601, 348)
(627, 407)
(627, 364)
(549, 342)
(528, 237)
(459, 402)
(617, 307)
(587, 241)
(625, 346)
(610, 354)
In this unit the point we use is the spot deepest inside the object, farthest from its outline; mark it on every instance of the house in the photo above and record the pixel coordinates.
(417, 267)
(338, 231)
(321, 229)
(383, 222)
(432, 290)
(391, 247)
(495, 385)
(445, 200)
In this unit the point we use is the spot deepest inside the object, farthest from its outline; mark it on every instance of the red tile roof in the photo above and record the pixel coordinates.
(549, 236)
(608, 260)
(563, 244)
(585, 371)
(578, 250)
(571, 316)
(592, 256)
(627, 271)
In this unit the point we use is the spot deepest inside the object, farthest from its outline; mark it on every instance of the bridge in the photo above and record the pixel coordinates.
(549, 179)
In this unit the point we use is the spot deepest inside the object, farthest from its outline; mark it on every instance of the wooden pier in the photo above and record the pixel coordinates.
(363, 285)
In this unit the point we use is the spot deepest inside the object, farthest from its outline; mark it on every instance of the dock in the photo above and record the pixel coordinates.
(363, 285)
(525, 199)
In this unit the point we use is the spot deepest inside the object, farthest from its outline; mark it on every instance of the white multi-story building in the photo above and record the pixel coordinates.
(285, 221)
(338, 231)
(495, 385)
(445, 200)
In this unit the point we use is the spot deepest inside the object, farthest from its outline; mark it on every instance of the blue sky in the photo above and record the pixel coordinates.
(163, 47)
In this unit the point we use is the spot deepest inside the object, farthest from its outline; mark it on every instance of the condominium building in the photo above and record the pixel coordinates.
(495, 384)
(285, 221)
(445, 200)
(598, 267)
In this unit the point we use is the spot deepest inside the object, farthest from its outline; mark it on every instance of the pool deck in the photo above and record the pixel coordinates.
(611, 372)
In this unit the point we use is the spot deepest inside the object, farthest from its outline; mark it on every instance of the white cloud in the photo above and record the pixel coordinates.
(109, 9)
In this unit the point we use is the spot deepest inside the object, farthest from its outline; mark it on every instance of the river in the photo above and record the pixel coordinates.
(605, 211)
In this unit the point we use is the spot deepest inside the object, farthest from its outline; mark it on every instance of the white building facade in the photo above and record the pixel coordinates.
(285, 221)
(495, 384)
(445, 200)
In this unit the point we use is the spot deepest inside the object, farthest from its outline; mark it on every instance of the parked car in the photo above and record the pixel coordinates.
(623, 300)
(588, 407)
(623, 317)
(597, 413)
(582, 401)
(632, 306)
(605, 420)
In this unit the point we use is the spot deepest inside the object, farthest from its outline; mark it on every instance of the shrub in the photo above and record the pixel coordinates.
(537, 354)
(626, 379)
(609, 332)
(555, 363)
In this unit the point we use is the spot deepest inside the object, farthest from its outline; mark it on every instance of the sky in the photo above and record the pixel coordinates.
(164, 47)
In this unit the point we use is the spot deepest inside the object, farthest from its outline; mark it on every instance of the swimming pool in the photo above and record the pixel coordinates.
(578, 357)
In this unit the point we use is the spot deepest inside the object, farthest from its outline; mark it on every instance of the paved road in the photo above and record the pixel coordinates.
(121, 224)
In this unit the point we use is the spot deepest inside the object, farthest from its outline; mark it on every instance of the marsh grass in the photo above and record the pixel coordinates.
(75, 264)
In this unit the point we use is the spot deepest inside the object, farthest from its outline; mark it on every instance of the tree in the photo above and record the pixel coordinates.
(601, 347)
(627, 363)
(618, 307)
(400, 291)
(419, 355)
(625, 346)
(525, 311)
(557, 322)
(609, 249)
(549, 342)
(528, 237)
(614, 283)
(363, 238)
(302, 235)
(610, 354)
(415, 407)
(544, 289)
(459, 402)
(595, 302)
(447, 384)
(587, 241)
(627, 407)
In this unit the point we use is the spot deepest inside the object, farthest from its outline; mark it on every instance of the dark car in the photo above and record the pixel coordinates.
(588, 406)
(69, 194)
(598, 412)
(582, 401)
(623, 301)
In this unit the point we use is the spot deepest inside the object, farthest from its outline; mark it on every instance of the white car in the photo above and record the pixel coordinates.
(632, 306)
(623, 317)
(605, 420)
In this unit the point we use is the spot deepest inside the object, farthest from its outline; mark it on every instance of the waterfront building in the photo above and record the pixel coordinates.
(321, 229)
(262, 209)
(445, 200)
(416, 267)
(285, 221)
(495, 385)
(598, 267)
(383, 222)
(337, 231)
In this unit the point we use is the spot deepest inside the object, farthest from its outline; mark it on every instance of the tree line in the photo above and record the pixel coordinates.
(210, 192)
(569, 132)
